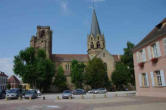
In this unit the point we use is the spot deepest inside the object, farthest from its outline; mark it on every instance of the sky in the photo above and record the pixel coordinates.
(70, 20)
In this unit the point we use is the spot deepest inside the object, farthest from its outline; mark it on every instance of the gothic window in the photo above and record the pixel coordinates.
(91, 45)
(98, 44)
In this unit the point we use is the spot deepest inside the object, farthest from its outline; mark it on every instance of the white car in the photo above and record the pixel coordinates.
(100, 91)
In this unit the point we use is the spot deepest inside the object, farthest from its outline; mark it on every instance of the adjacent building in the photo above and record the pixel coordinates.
(95, 48)
(150, 63)
(3, 80)
(13, 82)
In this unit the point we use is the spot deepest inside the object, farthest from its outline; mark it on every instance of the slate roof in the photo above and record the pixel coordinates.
(157, 32)
(3, 74)
(70, 57)
(95, 29)
(13, 79)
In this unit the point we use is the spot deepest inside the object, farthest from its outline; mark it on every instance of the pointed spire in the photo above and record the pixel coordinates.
(95, 29)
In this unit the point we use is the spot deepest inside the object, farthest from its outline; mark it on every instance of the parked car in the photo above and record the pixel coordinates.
(67, 94)
(31, 94)
(13, 93)
(92, 91)
(100, 91)
(2, 94)
(38, 92)
(79, 92)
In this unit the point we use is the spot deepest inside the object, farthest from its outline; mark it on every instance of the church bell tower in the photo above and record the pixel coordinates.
(96, 41)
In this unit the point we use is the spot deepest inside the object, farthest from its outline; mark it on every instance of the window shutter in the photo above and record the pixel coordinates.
(149, 53)
(162, 77)
(147, 79)
(144, 55)
(158, 49)
(164, 42)
(152, 78)
(137, 55)
(140, 80)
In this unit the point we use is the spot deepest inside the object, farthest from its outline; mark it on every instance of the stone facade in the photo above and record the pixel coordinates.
(95, 44)
(43, 39)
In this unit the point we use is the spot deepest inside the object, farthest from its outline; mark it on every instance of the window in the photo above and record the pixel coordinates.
(154, 51)
(158, 78)
(143, 79)
(98, 44)
(164, 42)
(141, 56)
(91, 45)
(155, 48)
(67, 67)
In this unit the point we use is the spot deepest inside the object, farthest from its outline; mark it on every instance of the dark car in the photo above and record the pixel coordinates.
(2, 94)
(79, 92)
(31, 94)
(13, 94)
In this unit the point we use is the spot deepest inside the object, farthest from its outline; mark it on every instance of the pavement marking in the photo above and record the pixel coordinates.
(53, 106)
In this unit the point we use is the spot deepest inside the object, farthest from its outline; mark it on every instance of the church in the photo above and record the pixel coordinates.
(95, 48)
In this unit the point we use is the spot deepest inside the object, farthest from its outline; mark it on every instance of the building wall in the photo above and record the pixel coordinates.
(148, 68)
(66, 65)
(3, 82)
(108, 59)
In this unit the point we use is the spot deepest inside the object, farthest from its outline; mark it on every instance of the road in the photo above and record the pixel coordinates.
(99, 103)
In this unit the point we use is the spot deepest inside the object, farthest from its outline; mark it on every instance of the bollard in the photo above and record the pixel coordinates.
(70, 98)
(82, 97)
(19, 98)
(44, 98)
(57, 98)
(30, 98)
(105, 96)
(94, 96)
(6, 98)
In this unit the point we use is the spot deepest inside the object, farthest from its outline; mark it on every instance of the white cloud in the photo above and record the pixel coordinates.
(6, 66)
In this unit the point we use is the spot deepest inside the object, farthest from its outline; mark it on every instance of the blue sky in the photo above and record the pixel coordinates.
(70, 20)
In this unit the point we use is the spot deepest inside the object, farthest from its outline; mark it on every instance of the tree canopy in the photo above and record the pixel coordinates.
(34, 68)
(77, 70)
(96, 74)
(123, 74)
(60, 79)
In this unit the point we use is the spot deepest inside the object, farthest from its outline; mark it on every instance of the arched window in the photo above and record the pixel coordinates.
(42, 33)
(91, 45)
(98, 44)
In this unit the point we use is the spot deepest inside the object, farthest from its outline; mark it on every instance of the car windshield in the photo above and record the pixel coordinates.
(101, 88)
(67, 91)
(29, 92)
(13, 91)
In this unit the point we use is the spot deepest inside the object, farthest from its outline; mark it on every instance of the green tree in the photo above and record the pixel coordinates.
(96, 73)
(77, 70)
(34, 68)
(120, 76)
(127, 59)
(123, 74)
(60, 79)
